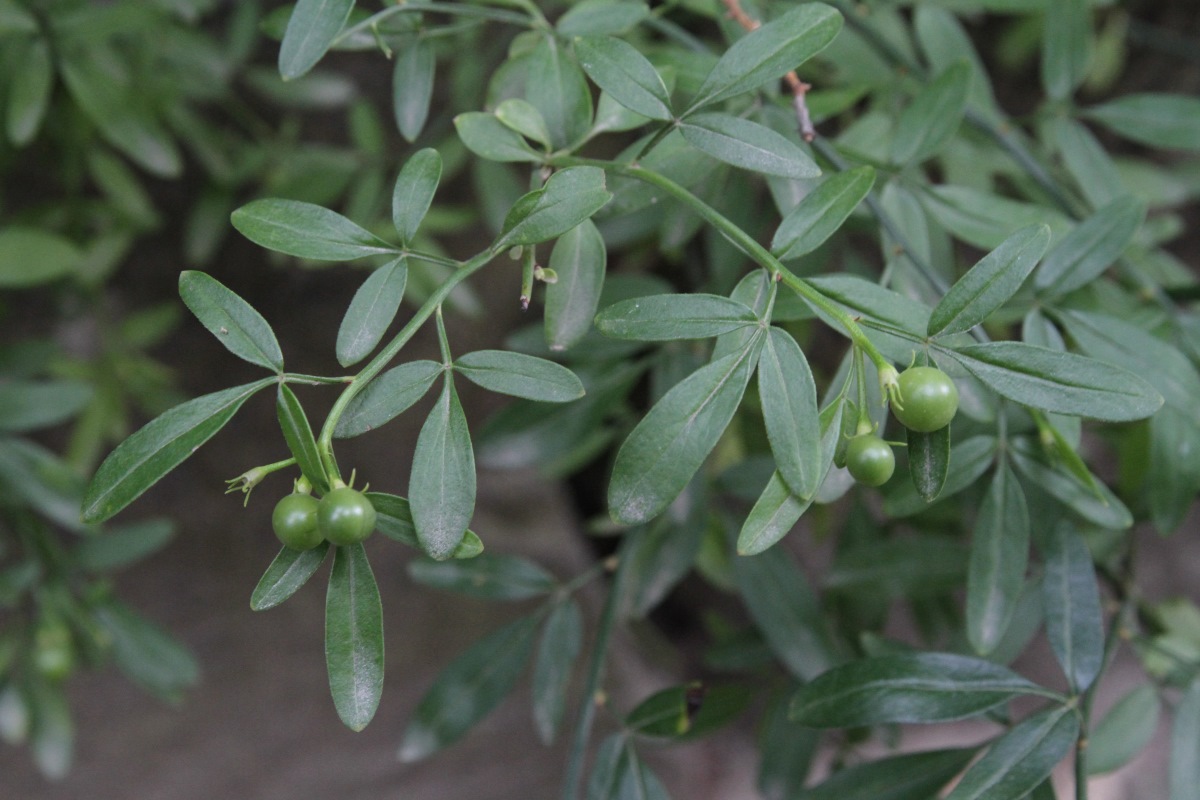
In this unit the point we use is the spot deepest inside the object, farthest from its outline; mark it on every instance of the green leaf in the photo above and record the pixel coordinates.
(299, 437)
(868, 299)
(945, 41)
(929, 461)
(469, 689)
(1087, 162)
(688, 712)
(311, 29)
(15, 19)
(36, 475)
(52, 738)
(413, 194)
(748, 145)
(31, 405)
(160, 446)
(1074, 620)
(990, 283)
(148, 655)
(118, 548)
(371, 312)
(1173, 473)
(1133, 348)
(394, 520)
(570, 196)
(665, 449)
(486, 136)
(999, 556)
(623, 72)
(1020, 760)
(911, 776)
(910, 567)
(923, 687)
(933, 117)
(559, 647)
(819, 215)
(412, 85)
(787, 611)
(1157, 120)
(579, 259)
(789, 405)
(1125, 730)
(968, 460)
(231, 319)
(290, 570)
(441, 487)
(521, 116)
(29, 92)
(985, 220)
(354, 637)
(599, 17)
(30, 257)
(1066, 47)
(386, 397)
(520, 375)
(1184, 771)
(786, 750)
(1091, 500)
(664, 317)
(1083, 254)
(556, 87)
(492, 576)
(1060, 382)
(768, 52)
(305, 230)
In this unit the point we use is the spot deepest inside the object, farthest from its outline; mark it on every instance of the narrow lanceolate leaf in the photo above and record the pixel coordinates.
(1061, 382)
(487, 136)
(469, 689)
(441, 489)
(929, 461)
(1090, 499)
(354, 637)
(748, 145)
(666, 448)
(925, 687)
(413, 193)
(990, 283)
(1066, 47)
(231, 319)
(491, 576)
(1159, 120)
(769, 52)
(290, 570)
(299, 437)
(141, 460)
(620, 69)
(999, 555)
(787, 611)
(569, 197)
(662, 317)
(371, 312)
(596, 17)
(1173, 474)
(29, 405)
(560, 645)
(311, 29)
(1125, 730)
(555, 85)
(520, 375)
(29, 92)
(1091, 248)
(819, 215)
(789, 405)
(1184, 768)
(394, 520)
(1074, 620)
(912, 776)
(579, 259)
(933, 117)
(305, 230)
(412, 85)
(969, 459)
(29, 257)
(148, 655)
(1021, 759)
(386, 397)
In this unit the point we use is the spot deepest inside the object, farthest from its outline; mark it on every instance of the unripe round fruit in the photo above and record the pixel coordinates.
(54, 652)
(929, 399)
(870, 459)
(295, 521)
(345, 516)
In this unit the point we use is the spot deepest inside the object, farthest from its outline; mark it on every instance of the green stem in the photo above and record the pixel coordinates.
(296, 377)
(325, 442)
(587, 710)
(454, 9)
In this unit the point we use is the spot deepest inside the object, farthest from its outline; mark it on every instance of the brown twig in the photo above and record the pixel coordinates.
(798, 87)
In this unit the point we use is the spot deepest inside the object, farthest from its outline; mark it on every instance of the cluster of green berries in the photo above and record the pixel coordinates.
(928, 401)
(343, 516)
